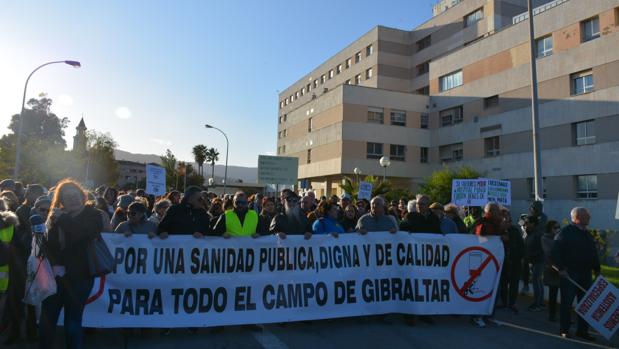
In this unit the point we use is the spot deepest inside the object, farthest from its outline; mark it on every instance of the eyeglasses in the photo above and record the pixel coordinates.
(241, 202)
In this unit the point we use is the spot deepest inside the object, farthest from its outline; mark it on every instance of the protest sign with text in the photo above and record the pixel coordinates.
(600, 307)
(186, 282)
(478, 192)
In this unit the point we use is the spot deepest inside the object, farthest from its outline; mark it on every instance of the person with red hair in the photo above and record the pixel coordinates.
(72, 226)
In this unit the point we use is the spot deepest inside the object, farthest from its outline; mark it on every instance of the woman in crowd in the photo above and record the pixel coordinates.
(72, 228)
(137, 222)
(161, 207)
(216, 210)
(327, 223)
(174, 196)
(551, 276)
(12, 201)
(350, 218)
(514, 252)
(535, 256)
(120, 215)
(453, 213)
(110, 195)
(266, 215)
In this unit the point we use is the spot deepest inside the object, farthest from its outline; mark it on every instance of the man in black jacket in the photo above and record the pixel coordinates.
(187, 218)
(422, 221)
(575, 255)
(292, 220)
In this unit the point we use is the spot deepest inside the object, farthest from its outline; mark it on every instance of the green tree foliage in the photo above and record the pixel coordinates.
(212, 155)
(199, 155)
(438, 185)
(99, 161)
(168, 162)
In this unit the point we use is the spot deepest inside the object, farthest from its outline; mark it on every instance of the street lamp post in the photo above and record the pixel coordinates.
(74, 64)
(537, 162)
(384, 162)
(227, 147)
(357, 172)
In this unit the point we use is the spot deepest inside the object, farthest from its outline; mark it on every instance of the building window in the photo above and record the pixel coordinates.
(474, 17)
(590, 29)
(281, 105)
(531, 184)
(358, 79)
(279, 134)
(424, 43)
(357, 57)
(323, 78)
(423, 68)
(309, 156)
(424, 120)
(451, 116)
(374, 150)
(303, 91)
(397, 152)
(584, 132)
(543, 46)
(376, 115)
(369, 50)
(284, 133)
(308, 87)
(450, 81)
(398, 117)
(285, 117)
(316, 83)
(368, 74)
(338, 69)
(424, 91)
(286, 101)
(348, 63)
(423, 155)
(296, 95)
(283, 149)
(451, 152)
(491, 102)
(587, 187)
(331, 74)
(492, 146)
(309, 125)
(582, 82)
(348, 82)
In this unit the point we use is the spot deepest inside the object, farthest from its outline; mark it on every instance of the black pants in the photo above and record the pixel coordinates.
(525, 272)
(510, 277)
(568, 292)
(553, 292)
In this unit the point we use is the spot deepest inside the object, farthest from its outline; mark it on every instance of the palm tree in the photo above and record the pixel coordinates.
(199, 155)
(212, 155)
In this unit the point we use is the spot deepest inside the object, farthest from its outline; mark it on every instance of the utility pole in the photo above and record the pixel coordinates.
(537, 161)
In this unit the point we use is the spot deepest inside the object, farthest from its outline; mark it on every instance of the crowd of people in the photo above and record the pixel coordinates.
(538, 251)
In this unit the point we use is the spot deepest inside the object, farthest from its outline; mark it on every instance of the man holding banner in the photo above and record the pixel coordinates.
(575, 255)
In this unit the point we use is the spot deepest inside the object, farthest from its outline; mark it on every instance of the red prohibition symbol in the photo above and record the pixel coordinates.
(465, 290)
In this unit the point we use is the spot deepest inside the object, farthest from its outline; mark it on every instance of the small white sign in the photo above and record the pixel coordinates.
(155, 180)
(365, 191)
(600, 307)
(277, 169)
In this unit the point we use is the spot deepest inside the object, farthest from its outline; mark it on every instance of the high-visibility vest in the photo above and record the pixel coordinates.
(234, 227)
(6, 235)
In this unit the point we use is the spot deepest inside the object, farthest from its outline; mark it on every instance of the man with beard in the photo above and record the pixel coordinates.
(292, 220)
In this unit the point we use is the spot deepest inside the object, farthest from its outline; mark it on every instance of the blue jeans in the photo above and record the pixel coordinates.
(72, 295)
(568, 292)
(538, 284)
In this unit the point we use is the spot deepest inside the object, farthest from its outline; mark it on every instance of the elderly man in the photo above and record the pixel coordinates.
(447, 225)
(239, 221)
(377, 219)
(422, 221)
(575, 255)
(307, 205)
(292, 220)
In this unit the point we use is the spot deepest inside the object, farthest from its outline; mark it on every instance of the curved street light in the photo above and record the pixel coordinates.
(384, 162)
(74, 64)
(227, 147)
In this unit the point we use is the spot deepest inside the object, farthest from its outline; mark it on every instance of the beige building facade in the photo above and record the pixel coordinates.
(456, 91)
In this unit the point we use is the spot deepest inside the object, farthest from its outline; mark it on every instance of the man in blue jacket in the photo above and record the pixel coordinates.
(575, 255)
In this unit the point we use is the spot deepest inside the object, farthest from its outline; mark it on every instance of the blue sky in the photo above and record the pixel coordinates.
(154, 72)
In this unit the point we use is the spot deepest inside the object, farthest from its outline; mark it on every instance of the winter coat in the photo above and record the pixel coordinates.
(533, 247)
(551, 276)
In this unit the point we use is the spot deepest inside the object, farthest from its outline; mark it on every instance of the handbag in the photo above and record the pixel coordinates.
(100, 260)
(40, 281)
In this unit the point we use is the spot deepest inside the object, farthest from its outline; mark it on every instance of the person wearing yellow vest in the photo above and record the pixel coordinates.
(240, 221)
(13, 305)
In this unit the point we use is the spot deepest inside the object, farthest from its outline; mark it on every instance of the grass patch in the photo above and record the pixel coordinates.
(611, 274)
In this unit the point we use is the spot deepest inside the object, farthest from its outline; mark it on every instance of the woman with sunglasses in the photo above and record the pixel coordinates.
(136, 222)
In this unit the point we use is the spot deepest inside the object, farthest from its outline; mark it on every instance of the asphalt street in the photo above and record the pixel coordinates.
(524, 330)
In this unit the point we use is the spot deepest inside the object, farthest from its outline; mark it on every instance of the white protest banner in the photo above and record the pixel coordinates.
(155, 180)
(469, 192)
(277, 169)
(365, 191)
(499, 191)
(600, 307)
(186, 282)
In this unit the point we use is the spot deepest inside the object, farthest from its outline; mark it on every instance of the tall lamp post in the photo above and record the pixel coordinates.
(384, 162)
(357, 172)
(227, 147)
(537, 162)
(74, 64)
